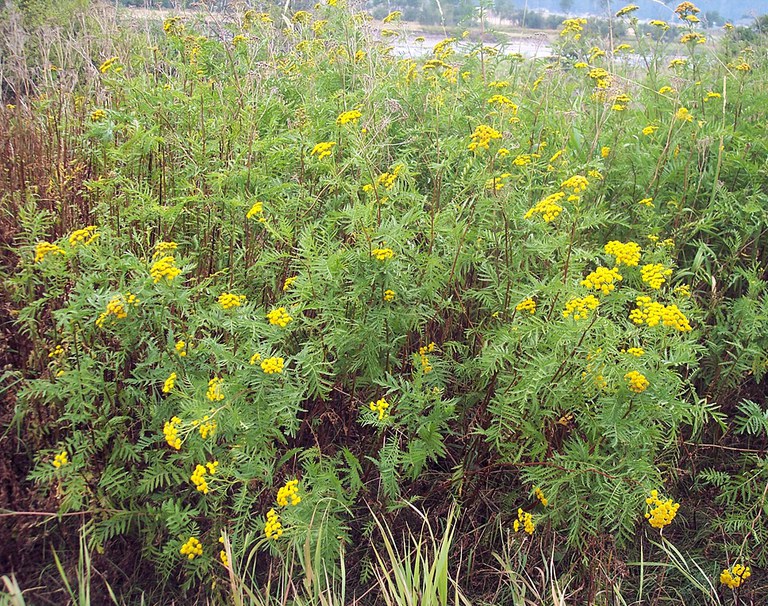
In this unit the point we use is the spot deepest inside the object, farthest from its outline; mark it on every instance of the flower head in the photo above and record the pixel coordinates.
(637, 382)
(380, 406)
(83, 236)
(273, 529)
(61, 459)
(548, 208)
(279, 317)
(525, 521)
(626, 253)
(43, 249)
(660, 512)
(171, 432)
(482, 137)
(580, 308)
(164, 268)
(528, 305)
(603, 279)
(322, 149)
(351, 116)
(735, 576)
(272, 365)
(382, 254)
(169, 383)
(192, 548)
(228, 300)
(289, 494)
(214, 392)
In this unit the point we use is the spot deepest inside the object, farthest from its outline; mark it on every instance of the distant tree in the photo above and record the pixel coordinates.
(713, 19)
(566, 6)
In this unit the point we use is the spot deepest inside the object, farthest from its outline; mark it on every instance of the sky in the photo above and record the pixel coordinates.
(652, 9)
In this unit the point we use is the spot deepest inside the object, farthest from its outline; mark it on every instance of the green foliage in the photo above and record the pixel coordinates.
(437, 339)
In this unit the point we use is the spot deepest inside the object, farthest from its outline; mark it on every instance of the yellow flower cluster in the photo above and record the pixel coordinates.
(251, 17)
(525, 159)
(528, 305)
(173, 26)
(382, 254)
(635, 351)
(301, 17)
(273, 529)
(525, 521)
(655, 275)
(171, 432)
(223, 554)
(637, 382)
(600, 76)
(735, 576)
(573, 27)
(393, 16)
(279, 317)
(192, 548)
(349, 116)
(658, 23)
(56, 351)
(496, 183)
(255, 358)
(548, 208)
(108, 65)
(272, 365)
(603, 279)
(652, 313)
(289, 282)
(577, 183)
(444, 48)
(426, 366)
(626, 253)
(482, 137)
(685, 9)
(503, 102)
(164, 268)
(650, 129)
(646, 202)
(228, 300)
(322, 149)
(61, 459)
(684, 115)
(580, 308)
(198, 476)
(255, 211)
(169, 383)
(389, 295)
(540, 496)
(206, 426)
(214, 393)
(379, 406)
(163, 248)
(662, 512)
(181, 349)
(46, 248)
(694, 37)
(83, 236)
(387, 180)
(117, 307)
(97, 115)
(289, 491)
(630, 8)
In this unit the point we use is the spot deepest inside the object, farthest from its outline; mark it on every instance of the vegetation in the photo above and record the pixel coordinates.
(289, 317)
